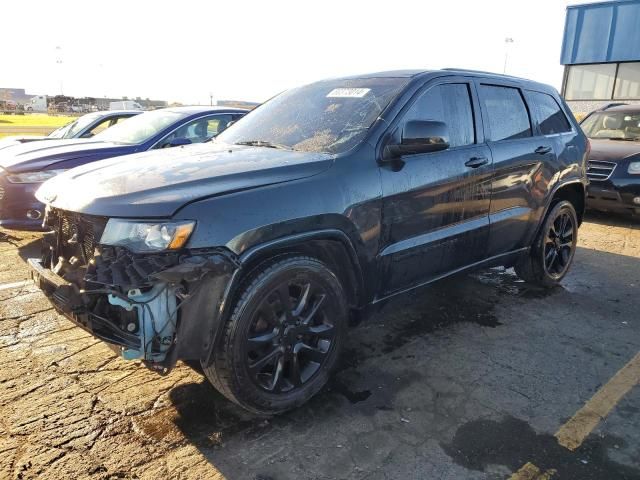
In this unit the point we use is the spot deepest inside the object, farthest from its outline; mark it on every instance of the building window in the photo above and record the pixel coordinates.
(590, 82)
(628, 81)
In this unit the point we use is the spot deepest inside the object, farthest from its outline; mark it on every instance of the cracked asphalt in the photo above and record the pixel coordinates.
(466, 379)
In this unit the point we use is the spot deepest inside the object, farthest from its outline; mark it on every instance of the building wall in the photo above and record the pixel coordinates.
(602, 33)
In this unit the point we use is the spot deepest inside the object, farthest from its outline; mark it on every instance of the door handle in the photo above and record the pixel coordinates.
(542, 150)
(475, 162)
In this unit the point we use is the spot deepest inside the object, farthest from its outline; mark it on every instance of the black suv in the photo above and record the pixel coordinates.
(251, 252)
(614, 161)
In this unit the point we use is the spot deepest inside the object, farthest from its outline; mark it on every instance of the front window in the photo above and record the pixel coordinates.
(612, 126)
(140, 128)
(330, 116)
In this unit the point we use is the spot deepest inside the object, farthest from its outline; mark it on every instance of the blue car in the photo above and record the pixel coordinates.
(86, 126)
(24, 168)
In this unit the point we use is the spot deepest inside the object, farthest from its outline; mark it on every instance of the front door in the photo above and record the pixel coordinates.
(436, 205)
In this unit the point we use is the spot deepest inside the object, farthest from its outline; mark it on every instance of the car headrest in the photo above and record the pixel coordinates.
(612, 122)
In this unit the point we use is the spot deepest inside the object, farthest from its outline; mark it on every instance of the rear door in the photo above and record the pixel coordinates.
(436, 205)
(520, 166)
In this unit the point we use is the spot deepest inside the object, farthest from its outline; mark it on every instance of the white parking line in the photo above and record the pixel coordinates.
(7, 286)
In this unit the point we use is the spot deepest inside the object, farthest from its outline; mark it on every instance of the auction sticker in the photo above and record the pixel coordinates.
(348, 92)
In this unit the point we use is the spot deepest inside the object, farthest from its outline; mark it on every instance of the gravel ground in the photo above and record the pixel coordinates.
(469, 378)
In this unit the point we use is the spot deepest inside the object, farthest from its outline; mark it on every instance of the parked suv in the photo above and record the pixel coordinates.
(250, 253)
(614, 161)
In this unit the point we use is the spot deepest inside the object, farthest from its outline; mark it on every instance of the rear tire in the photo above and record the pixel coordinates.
(552, 252)
(282, 340)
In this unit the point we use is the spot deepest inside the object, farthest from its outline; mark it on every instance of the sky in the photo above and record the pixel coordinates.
(195, 50)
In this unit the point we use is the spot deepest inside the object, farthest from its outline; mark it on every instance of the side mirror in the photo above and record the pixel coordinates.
(420, 136)
(179, 141)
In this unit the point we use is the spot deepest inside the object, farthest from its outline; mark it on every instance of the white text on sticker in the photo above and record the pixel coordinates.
(348, 92)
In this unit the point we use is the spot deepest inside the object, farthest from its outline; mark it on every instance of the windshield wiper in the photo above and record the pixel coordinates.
(264, 143)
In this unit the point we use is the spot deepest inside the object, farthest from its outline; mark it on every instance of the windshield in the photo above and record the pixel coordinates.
(72, 129)
(140, 128)
(63, 132)
(612, 125)
(331, 116)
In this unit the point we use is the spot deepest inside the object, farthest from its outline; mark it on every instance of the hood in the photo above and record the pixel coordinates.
(613, 150)
(17, 140)
(158, 183)
(42, 155)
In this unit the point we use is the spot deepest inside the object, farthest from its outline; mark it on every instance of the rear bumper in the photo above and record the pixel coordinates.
(621, 195)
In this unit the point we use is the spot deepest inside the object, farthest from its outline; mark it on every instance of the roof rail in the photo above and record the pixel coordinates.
(470, 70)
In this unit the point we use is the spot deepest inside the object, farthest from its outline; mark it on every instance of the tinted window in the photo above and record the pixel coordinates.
(450, 104)
(550, 116)
(506, 112)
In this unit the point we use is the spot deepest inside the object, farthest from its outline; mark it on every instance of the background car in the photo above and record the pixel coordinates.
(24, 167)
(84, 127)
(614, 161)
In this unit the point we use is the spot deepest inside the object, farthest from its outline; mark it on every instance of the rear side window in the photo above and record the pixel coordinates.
(451, 104)
(507, 114)
(550, 116)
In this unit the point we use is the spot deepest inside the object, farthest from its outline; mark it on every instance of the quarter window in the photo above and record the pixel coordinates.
(507, 114)
(550, 116)
(451, 104)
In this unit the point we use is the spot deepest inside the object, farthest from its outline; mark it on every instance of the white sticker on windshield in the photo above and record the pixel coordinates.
(348, 92)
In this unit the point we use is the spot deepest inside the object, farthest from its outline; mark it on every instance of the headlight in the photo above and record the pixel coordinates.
(634, 168)
(147, 236)
(34, 177)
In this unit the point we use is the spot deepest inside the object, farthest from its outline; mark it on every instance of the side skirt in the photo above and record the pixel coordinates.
(503, 259)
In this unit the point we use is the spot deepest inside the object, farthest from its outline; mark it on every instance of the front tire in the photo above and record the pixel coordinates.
(283, 338)
(552, 252)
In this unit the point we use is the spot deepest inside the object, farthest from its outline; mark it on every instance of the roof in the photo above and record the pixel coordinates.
(620, 108)
(449, 70)
(107, 113)
(602, 32)
(202, 109)
(389, 74)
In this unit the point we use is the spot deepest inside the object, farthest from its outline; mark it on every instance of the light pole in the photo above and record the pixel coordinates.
(211, 99)
(59, 63)
(507, 41)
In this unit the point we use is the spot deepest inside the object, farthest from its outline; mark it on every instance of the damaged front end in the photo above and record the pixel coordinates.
(156, 307)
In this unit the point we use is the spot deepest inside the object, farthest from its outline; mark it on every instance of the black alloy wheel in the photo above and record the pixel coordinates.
(553, 249)
(282, 340)
(290, 336)
(559, 244)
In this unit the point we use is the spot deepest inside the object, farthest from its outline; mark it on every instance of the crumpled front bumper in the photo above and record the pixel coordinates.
(175, 315)
(67, 300)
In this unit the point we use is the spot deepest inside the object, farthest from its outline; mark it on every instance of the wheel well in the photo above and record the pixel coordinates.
(574, 193)
(332, 253)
